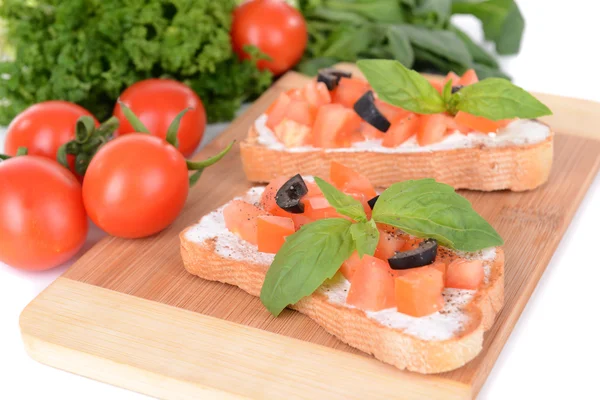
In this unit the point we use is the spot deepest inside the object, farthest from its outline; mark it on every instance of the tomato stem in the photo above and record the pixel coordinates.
(199, 166)
(21, 151)
(133, 119)
(174, 128)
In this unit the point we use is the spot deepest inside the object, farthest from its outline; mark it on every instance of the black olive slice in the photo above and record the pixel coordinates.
(331, 77)
(288, 196)
(456, 88)
(423, 255)
(373, 201)
(365, 107)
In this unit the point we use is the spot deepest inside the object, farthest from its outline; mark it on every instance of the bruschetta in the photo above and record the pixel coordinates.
(409, 300)
(342, 119)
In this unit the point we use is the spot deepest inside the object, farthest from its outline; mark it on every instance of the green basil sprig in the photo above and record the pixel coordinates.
(343, 204)
(492, 98)
(306, 259)
(423, 208)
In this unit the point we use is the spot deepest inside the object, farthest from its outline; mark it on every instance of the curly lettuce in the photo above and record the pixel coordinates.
(89, 51)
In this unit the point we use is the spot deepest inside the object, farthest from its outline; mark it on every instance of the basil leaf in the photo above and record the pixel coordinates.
(436, 11)
(402, 87)
(344, 204)
(381, 11)
(478, 54)
(399, 46)
(428, 209)
(366, 237)
(305, 261)
(445, 44)
(496, 98)
(347, 41)
(312, 67)
(447, 92)
(483, 72)
(502, 21)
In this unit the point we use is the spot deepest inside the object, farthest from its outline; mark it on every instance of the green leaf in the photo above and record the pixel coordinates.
(305, 261)
(343, 203)
(133, 119)
(380, 11)
(444, 44)
(312, 67)
(502, 21)
(366, 237)
(346, 42)
(338, 15)
(483, 72)
(399, 46)
(402, 87)
(447, 92)
(496, 98)
(428, 209)
(478, 54)
(509, 42)
(174, 128)
(435, 11)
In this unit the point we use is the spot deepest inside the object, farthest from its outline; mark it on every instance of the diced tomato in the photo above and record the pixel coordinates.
(241, 219)
(479, 124)
(372, 286)
(440, 266)
(300, 220)
(271, 232)
(348, 180)
(350, 265)
(401, 130)
(301, 112)
(334, 123)
(468, 78)
(313, 189)
(437, 84)
(452, 77)
(316, 94)
(392, 113)
(419, 291)
(349, 90)
(389, 243)
(431, 129)
(452, 125)
(295, 94)
(317, 207)
(370, 132)
(293, 134)
(356, 136)
(464, 274)
(277, 111)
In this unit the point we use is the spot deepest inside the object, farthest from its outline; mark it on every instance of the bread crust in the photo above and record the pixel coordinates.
(517, 168)
(352, 326)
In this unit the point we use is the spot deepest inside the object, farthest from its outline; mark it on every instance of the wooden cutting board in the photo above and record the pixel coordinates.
(127, 312)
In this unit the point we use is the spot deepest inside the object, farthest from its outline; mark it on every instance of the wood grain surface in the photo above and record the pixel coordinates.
(128, 313)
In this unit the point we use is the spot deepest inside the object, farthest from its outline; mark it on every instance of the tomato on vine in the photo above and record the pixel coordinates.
(137, 184)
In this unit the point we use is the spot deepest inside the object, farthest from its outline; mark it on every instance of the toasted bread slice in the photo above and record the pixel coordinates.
(518, 164)
(441, 342)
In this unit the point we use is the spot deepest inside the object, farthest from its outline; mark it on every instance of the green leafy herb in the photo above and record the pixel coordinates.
(496, 98)
(447, 92)
(426, 208)
(492, 98)
(366, 237)
(397, 85)
(306, 259)
(418, 33)
(343, 203)
(88, 52)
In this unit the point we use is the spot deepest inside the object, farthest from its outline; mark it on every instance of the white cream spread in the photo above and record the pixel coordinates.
(519, 132)
(438, 326)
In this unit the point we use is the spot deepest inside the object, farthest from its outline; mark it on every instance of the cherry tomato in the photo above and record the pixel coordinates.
(42, 218)
(156, 102)
(43, 128)
(135, 186)
(275, 27)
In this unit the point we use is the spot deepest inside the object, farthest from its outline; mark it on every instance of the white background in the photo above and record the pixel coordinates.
(553, 351)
